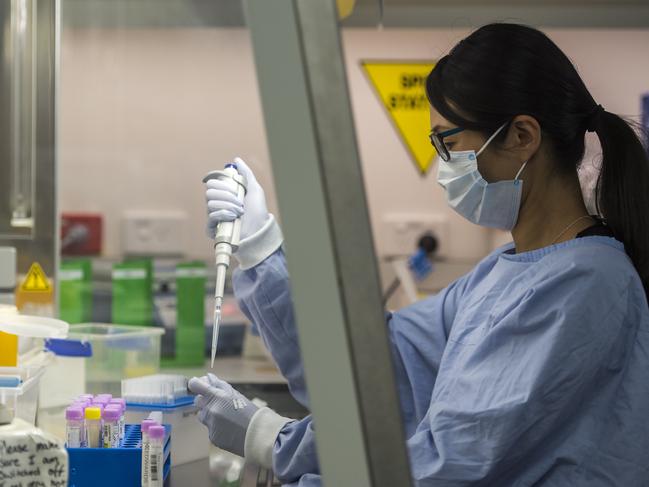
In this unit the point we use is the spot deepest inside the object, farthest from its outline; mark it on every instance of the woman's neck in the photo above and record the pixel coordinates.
(551, 214)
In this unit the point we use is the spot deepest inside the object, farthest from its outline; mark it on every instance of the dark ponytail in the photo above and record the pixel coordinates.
(504, 70)
(622, 191)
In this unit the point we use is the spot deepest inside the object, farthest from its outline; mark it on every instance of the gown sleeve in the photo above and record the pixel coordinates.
(417, 336)
(264, 295)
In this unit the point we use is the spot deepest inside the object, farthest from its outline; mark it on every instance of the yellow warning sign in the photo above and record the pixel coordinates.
(401, 87)
(35, 280)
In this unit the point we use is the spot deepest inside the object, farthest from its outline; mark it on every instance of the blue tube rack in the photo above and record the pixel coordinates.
(111, 467)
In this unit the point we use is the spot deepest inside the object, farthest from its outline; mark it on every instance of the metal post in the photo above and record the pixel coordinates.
(28, 71)
(335, 282)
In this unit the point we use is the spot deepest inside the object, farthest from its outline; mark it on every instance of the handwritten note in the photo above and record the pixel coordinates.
(30, 457)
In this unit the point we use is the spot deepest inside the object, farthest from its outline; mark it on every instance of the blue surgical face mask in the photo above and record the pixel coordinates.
(494, 205)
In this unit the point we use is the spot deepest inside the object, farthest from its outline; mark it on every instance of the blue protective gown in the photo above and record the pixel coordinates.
(531, 370)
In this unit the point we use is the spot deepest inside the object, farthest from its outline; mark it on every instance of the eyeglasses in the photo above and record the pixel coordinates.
(437, 139)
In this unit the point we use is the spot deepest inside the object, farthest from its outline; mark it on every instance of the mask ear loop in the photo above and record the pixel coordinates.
(495, 134)
(491, 138)
(520, 170)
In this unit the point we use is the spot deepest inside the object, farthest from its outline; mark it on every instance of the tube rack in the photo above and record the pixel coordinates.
(108, 467)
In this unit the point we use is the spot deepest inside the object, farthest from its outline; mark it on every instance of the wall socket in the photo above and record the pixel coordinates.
(153, 233)
(400, 232)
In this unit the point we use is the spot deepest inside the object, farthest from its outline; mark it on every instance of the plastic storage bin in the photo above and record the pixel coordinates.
(22, 401)
(111, 467)
(94, 359)
(117, 352)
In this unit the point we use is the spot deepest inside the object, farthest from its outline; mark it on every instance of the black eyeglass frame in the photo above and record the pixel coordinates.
(437, 139)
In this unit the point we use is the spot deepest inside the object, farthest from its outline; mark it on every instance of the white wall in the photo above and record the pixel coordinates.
(145, 114)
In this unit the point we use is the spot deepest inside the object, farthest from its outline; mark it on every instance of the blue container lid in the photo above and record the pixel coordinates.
(178, 403)
(68, 348)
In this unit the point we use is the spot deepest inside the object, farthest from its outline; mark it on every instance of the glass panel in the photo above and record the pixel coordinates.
(153, 96)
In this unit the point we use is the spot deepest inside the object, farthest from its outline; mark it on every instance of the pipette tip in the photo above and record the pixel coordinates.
(215, 333)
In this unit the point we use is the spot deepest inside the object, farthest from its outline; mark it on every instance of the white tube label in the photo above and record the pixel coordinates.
(111, 433)
(74, 437)
(145, 462)
(155, 467)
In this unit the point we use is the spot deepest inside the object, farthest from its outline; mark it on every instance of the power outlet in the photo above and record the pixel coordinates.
(153, 233)
(401, 232)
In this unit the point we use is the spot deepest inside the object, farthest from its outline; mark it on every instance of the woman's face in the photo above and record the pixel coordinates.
(495, 163)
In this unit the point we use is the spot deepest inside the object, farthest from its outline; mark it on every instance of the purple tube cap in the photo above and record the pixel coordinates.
(146, 425)
(74, 413)
(106, 397)
(118, 400)
(90, 397)
(156, 432)
(115, 407)
(110, 414)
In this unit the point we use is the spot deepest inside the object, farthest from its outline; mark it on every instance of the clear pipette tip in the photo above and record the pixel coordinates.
(215, 332)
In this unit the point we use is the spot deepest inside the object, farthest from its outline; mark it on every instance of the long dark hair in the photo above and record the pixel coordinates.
(504, 70)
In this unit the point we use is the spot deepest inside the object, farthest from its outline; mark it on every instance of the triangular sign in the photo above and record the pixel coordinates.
(401, 88)
(35, 280)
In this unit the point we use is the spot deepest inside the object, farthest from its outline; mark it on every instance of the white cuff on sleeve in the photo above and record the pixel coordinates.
(262, 432)
(256, 248)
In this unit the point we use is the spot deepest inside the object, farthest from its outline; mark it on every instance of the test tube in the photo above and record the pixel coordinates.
(118, 400)
(144, 428)
(74, 427)
(97, 405)
(156, 416)
(82, 405)
(122, 420)
(111, 429)
(100, 401)
(156, 447)
(92, 427)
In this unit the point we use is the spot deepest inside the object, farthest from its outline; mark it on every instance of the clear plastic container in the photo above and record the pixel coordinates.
(118, 352)
(96, 358)
(22, 401)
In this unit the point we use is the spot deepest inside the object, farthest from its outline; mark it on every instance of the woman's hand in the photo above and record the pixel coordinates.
(223, 205)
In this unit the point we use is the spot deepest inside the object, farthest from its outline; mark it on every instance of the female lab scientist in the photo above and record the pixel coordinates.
(533, 369)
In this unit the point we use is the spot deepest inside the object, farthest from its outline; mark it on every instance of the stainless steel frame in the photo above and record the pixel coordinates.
(28, 72)
(335, 282)
(426, 14)
(627, 14)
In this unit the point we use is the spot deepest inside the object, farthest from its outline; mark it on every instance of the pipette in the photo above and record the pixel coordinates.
(226, 241)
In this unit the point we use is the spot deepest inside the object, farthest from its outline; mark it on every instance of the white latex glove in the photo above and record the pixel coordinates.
(225, 412)
(223, 204)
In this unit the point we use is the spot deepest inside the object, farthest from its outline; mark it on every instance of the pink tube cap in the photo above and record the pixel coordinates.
(156, 432)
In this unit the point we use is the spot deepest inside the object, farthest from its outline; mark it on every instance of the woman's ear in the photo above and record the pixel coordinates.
(523, 136)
